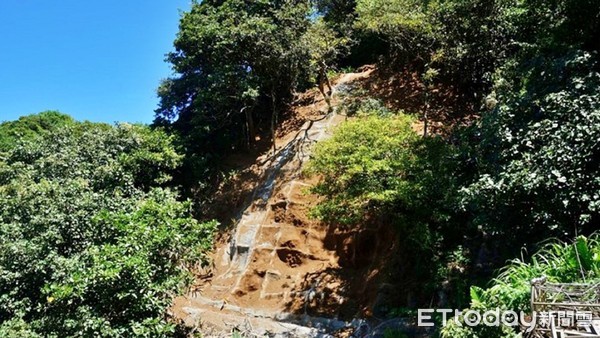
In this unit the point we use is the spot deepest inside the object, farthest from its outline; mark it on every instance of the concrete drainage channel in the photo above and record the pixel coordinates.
(244, 241)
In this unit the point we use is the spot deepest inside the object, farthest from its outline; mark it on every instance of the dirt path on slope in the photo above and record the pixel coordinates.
(275, 274)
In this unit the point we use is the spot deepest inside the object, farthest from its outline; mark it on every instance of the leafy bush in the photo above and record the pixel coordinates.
(324, 44)
(474, 38)
(404, 24)
(527, 170)
(377, 170)
(463, 41)
(364, 166)
(88, 245)
(358, 103)
(375, 166)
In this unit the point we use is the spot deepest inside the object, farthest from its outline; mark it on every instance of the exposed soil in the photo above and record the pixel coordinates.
(277, 264)
(405, 91)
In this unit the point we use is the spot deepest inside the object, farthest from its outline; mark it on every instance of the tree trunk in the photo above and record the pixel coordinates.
(273, 119)
(323, 80)
(425, 122)
(249, 127)
(426, 112)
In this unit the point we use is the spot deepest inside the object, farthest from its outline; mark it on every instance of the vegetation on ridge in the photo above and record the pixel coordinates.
(96, 230)
(90, 244)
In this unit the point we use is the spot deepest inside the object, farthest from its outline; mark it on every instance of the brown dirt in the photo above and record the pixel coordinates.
(299, 265)
(405, 91)
(400, 91)
(234, 193)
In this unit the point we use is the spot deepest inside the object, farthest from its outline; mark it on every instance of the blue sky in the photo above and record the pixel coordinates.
(94, 60)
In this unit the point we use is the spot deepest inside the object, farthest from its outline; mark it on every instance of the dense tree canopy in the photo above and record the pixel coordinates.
(537, 154)
(237, 63)
(30, 126)
(525, 169)
(89, 246)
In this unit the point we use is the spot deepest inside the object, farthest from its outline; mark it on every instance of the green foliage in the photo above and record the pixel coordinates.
(560, 262)
(467, 41)
(30, 127)
(536, 154)
(404, 24)
(564, 24)
(88, 245)
(463, 41)
(364, 166)
(237, 64)
(230, 57)
(377, 170)
(355, 104)
(473, 38)
(530, 164)
(373, 166)
(338, 14)
(324, 45)
(389, 17)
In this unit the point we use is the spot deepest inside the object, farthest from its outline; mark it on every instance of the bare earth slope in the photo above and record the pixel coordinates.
(280, 271)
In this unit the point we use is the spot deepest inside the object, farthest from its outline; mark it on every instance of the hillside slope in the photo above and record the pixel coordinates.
(279, 265)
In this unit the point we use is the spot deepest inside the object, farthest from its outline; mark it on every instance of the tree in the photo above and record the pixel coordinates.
(377, 172)
(237, 65)
(535, 153)
(30, 126)
(462, 42)
(474, 38)
(90, 245)
(404, 24)
(338, 13)
(325, 47)
(231, 57)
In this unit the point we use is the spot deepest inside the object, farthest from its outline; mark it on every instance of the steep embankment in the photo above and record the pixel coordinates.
(280, 271)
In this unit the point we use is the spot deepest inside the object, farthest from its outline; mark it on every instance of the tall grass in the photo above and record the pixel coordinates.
(560, 262)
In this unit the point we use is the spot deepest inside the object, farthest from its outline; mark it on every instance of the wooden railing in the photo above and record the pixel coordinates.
(565, 310)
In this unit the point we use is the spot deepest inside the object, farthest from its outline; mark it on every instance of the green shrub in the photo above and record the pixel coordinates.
(30, 127)
(377, 170)
(358, 103)
(403, 24)
(364, 167)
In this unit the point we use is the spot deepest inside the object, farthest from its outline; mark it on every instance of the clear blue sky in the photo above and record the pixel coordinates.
(94, 60)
